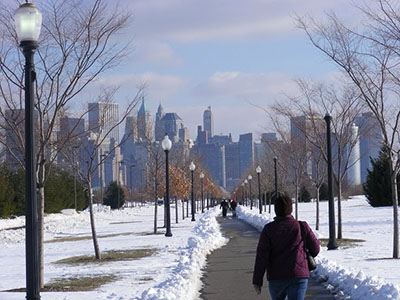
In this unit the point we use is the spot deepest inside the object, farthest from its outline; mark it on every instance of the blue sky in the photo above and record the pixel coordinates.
(232, 55)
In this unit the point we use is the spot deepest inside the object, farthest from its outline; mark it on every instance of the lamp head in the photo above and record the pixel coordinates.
(202, 175)
(249, 177)
(28, 22)
(192, 166)
(258, 169)
(166, 143)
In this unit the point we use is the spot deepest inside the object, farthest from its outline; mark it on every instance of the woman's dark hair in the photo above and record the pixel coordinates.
(283, 206)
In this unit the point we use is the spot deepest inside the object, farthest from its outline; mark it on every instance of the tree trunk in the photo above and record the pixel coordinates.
(155, 207)
(183, 209)
(317, 214)
(393, 178)
(40, 180)
(339, 196)
(296, 201)
(176, 209)
(41, 234)
(92, 222)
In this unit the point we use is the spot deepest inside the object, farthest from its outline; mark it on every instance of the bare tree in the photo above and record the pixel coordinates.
(76, 47)
(306, 112)
(369, 59)
(90, 152)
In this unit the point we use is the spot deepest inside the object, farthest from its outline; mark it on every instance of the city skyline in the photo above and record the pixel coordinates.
(236, 57)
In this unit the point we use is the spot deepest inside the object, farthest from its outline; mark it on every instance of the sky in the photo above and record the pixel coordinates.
(235, 56)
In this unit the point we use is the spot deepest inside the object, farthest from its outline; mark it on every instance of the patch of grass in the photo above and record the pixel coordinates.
(118, 223)
(75, 284)
(86, 237)
(12, 228)
(109, 256)
(343, 243)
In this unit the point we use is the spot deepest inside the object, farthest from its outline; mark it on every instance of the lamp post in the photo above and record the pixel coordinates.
(276, 177)
(245, 194)
(202, 195)
(258, 170)
(102, 158)
(192, 167)
(28, 22)
(118, 174)
(250, 195)
(166, 145)
(332, 239)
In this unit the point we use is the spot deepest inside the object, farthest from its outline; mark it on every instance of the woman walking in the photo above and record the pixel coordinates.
(280, 253)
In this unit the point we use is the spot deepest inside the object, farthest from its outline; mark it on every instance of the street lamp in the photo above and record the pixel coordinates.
(276, 177)
(258, 170)
(102, 158)
(250, 195)
(28, 22)
(192, 167)
(332, 239)
(243, 193)
(202, 198)
(166, 145)
(118, 174)
(245, 184)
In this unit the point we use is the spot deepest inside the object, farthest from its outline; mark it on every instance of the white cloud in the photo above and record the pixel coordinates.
(157, 53)
(252, 87)
(193, 20)
(157, 86)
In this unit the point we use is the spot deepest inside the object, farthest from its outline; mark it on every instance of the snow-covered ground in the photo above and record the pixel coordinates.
(364, 271)
(173, 272)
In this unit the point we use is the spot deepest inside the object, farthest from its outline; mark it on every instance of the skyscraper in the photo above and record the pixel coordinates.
(143, 125)
(103, 119)
(171, 123)
(246, 152)
(158, 130)
(208, 122)
(370, 141)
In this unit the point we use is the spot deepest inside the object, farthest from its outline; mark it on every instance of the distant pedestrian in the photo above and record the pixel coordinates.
(233, 207)
(280, 253)
(224, 205)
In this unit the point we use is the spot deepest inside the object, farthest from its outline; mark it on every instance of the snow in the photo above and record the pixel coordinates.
(364, 271)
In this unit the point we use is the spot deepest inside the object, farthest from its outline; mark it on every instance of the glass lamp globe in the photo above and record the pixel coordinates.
(166, 143)
(28, 22)
(258, 169)
(192, 166)
(250, 177)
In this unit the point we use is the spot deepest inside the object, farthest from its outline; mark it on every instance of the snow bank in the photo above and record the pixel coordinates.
(184, 283)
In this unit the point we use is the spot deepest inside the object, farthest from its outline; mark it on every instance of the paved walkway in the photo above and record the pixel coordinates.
(229, 271)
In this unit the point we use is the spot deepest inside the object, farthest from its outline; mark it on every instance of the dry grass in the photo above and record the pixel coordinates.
(86, 237)
(343, 243)
(109, 256)
(75, 284)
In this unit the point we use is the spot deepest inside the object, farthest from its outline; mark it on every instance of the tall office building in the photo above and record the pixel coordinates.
(353, 174)
(208, 122)
(103, 119)
(370, 141)
(246, 152)
(158, 130)
(143, 122)
(171, 123)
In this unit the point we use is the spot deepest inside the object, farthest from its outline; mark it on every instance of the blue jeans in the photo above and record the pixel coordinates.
(294, 289)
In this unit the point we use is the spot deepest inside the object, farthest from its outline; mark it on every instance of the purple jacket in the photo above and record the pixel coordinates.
(280, 250)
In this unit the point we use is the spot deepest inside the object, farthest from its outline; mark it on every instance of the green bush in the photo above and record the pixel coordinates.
(111, 197)
(378, 187)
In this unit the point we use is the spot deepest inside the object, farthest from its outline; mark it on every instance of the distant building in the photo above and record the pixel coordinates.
(158, 128)
(370, 141)
(220, 139)
(232, 165)
(353, 173)
(171, 123)
(103, 119)
(208, 122)
(143, 122)
(246, 152)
